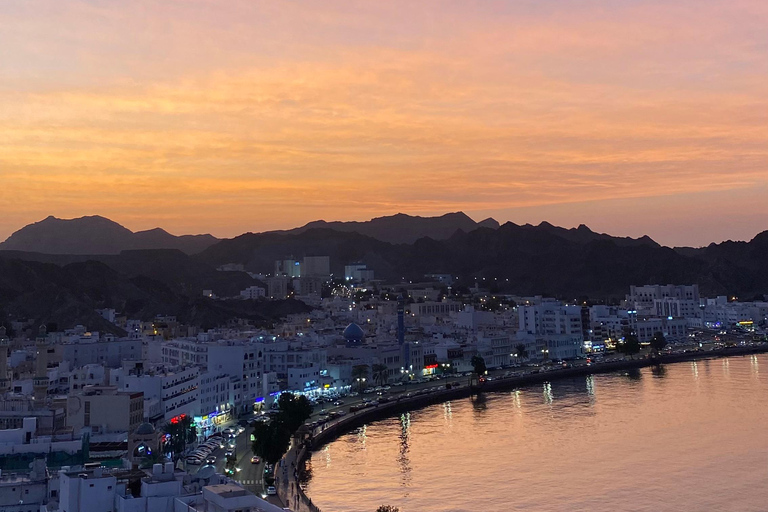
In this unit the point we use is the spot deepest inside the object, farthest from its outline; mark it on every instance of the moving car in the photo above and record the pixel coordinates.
(271, 490)
(255, 460)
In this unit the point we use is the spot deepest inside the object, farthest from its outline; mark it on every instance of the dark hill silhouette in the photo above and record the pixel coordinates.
(97, 235)
(69, 294)
(526, 259)
(522, 259)
(402, 228)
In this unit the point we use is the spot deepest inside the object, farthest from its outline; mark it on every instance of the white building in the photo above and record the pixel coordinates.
(436, 309)
(216, 402)
(176, 389)
(104, 350)
(104, 409)
(674, 307)
(185, 352)
(358, 273)
(641, 297)
(243, 362)
(253, 292)
(288, 267)
(556, 329)
(316, 266)
(673, 329)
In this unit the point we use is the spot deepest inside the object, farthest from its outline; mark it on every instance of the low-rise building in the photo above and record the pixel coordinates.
(105, 409)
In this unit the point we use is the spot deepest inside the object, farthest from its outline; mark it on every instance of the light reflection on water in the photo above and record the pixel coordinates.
(681, 437)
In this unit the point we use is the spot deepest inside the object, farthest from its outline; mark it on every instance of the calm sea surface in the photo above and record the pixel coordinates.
(691, 438)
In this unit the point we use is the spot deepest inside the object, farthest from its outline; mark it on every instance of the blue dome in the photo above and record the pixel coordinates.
(354, 332)
(145, 429)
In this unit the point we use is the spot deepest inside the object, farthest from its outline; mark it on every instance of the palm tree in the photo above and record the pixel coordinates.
(658, 342)
(380, 373)
(521, 351)
(183, 431)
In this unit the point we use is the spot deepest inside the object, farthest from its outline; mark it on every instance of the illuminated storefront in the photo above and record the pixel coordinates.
(212, 422)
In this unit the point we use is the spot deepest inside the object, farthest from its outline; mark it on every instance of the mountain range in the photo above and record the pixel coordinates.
(49, 278)
(402, 228)
(97, 235)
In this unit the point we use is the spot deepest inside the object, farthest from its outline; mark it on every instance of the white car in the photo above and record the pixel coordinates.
(271, 491)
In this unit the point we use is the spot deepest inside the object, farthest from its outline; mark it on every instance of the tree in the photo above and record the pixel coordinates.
(387, 508)
(294, 410)
(521, 351)
(658, 342)
(478, 365)
(182, 431)
(271, 440)
(629, 346)
(359, 374)
(380, 373)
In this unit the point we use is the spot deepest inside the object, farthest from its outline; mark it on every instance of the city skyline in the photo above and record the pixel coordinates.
(201, 117)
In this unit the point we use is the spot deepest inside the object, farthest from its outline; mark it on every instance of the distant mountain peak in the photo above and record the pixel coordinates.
(490, 222)
(94, 234)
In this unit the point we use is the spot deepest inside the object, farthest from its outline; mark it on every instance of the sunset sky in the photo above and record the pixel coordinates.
(631, 116)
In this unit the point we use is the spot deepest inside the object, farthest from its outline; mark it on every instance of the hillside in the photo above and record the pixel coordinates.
(69, 295)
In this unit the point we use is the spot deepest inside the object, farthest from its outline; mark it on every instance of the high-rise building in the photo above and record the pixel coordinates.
(316, 266)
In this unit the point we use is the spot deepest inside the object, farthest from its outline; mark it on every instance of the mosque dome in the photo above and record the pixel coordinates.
(354, 332)
(145, 429)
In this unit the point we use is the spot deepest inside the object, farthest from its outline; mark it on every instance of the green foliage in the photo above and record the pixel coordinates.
(294, 410)
(658, 342)
(478, 364)
(271, 439)
(630, 346)
(380, 373)
(521, 351)
(183, 432)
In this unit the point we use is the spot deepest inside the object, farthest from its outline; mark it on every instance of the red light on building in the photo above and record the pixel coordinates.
(431, 366)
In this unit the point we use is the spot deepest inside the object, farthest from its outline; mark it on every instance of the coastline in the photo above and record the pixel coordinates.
(293, 495)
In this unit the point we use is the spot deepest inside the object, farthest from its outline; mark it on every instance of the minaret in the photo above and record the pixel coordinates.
(5, 382)
(405, 349)
(400, 320)
(40, 383)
